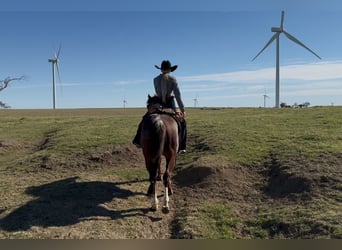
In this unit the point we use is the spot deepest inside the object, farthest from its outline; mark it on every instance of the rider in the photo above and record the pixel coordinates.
(166, 86)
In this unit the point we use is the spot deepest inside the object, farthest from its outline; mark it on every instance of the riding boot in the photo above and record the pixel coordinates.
(183, 137)
(136, 140)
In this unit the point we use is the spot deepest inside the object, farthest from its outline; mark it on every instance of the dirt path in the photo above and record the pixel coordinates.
(88, 196)
(101, 195)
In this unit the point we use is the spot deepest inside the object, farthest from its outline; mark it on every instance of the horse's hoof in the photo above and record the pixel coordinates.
(165, 210)
(153, 209)
(158, 178)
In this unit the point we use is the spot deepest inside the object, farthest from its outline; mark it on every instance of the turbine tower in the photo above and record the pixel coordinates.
(55, 67)
(265, 96)
(124, 103)
(278, 31)
(195, 101)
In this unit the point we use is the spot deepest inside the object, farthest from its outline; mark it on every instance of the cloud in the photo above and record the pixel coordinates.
(313, 72)
(303, 81)
(113, 83)
(224, 97)
(313, 92)
(83, 84)
(206, 87)
(233, 77)
(299, 72)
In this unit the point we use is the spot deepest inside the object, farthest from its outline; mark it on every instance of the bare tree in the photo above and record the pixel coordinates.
(5, 83)
(4, 105)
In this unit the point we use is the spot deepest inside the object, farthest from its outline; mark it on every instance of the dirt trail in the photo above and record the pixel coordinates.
(83, 196)
(101, 195)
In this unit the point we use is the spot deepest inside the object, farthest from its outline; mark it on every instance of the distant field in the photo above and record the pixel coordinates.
(248, 173)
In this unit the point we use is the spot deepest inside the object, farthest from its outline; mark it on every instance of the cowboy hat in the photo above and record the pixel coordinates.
(166, 65)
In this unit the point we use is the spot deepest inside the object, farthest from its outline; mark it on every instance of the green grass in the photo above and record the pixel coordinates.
(130, 174)
(305, 143)
(212, 221)
(295, 138)
(68, 131)
(248, 136)
(243, 135)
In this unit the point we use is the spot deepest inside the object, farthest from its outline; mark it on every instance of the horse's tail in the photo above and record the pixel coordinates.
(154, 135)
(153, 140)
(158, 137)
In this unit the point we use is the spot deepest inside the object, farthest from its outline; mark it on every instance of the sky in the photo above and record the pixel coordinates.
(109, 49)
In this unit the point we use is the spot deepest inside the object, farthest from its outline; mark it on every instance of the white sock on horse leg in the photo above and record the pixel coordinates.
(155, 202)
(166, 198)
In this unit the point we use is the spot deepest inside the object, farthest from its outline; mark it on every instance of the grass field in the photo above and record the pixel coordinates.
(248, 173)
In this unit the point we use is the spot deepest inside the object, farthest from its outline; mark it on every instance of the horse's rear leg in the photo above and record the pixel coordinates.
(159, 175)
(166, 207)
(170, 164)
(166, 180)
(155, 202)
(167, 183)
(153, 169)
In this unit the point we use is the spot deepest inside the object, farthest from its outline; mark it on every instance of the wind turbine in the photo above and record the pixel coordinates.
(55, 67)
(265, 96)
(278, 31)
(195, 101)
(124, 102)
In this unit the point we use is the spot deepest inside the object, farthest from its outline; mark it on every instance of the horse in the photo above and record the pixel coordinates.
(159, 137)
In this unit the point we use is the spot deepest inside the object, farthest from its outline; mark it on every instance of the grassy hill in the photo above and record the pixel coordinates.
(248, 173)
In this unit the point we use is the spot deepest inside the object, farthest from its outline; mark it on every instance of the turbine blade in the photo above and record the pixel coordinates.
(57, 68)
(58, 52)
(292, 38)
(267, 44)
(59, 76)
(282, 20)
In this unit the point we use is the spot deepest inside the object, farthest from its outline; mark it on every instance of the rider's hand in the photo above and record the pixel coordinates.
(179, 114)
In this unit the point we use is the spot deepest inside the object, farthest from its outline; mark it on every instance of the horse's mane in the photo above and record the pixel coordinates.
(153, 100)
(155, 105)
(157, 100)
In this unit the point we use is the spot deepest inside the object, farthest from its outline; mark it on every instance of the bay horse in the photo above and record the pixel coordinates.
(159, 137)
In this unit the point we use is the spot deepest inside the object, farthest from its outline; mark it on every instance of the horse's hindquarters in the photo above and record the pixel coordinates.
(159, 137)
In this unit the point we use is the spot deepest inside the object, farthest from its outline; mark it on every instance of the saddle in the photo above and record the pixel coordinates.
(156, 106)
(176, 115)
